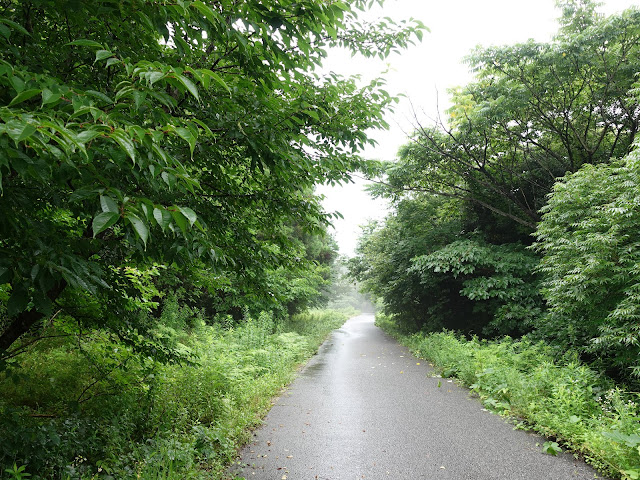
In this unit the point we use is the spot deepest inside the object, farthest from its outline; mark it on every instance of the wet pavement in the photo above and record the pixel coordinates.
(365, 408)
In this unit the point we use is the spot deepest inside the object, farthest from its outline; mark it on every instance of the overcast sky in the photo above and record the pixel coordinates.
(424, 73)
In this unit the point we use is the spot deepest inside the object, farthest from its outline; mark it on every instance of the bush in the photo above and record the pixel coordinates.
(90, 408)
(590, 241)
(498, 279)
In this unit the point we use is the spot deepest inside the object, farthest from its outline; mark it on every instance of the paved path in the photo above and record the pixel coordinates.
(364, 408)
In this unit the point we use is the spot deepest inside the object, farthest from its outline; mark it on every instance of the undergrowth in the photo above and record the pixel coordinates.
(556, 397)
(86, 407)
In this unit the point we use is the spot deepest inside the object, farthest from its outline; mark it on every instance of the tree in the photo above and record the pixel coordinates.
(383, 264)
(431, 273)
(590, 247)
(498, 280)
(535, 112)
(283, 287)
(136, 133)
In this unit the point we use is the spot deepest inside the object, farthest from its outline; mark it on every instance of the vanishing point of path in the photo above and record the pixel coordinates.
(364, 408)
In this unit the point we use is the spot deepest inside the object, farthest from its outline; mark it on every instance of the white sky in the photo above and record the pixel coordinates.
(425, 71)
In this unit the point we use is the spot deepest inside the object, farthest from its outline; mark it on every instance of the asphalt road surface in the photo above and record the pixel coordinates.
(365, 408)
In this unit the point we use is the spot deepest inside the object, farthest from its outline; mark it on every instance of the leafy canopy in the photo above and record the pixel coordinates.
(155, 132)
(535, 112)
(589, 240)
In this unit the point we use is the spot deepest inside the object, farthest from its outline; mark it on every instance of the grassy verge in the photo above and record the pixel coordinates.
(562, 399)
(87, 408)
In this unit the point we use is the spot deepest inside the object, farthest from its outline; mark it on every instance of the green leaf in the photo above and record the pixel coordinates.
(49, 97)
(138, 98)
(153, 77)
(17, 83)
(312, 114)
(18, 301)
(5, 275)
(216, 78)
(633, 474)
(108, 204)
(206, 11)
(34, 272)
(42, 303)
(104, 220)
(125, 142)
(102, 54)
(99, 95)
(190, 214)
(551, 448)
(19, 130)
(631, 441)
(169, 179)
(112, 61)
(68, 136)
(15, 26)
(188, 136)
(5, 31)
(25, 95)
(82, 194)
(85, 43)
(139, 226)
(162, 217)
(189, 85)
(124, 92)
(87, 136)
(179, 218)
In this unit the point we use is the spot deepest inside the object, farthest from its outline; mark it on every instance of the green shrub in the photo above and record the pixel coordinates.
(590, 241)
(90, 408)
(499, 279)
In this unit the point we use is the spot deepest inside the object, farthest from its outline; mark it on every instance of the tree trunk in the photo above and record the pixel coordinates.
(21, 323)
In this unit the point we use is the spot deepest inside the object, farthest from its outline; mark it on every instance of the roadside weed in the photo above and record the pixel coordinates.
(551, 448)
(17, 473)
(143, 420)
(558, 397)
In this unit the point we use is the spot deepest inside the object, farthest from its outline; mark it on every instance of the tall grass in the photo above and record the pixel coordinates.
(87, 408)
(559, 398)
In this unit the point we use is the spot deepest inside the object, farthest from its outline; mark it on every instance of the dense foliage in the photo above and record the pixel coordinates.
(540, 145)
(142, 419)
(589, 237)
(431, 274)
(384, 258)
(139, 134)
(535, 112)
